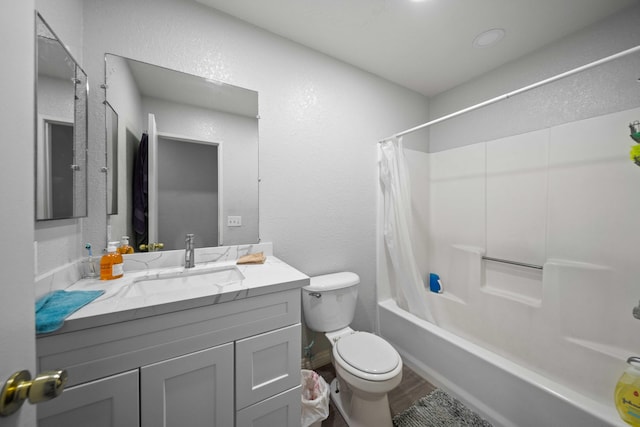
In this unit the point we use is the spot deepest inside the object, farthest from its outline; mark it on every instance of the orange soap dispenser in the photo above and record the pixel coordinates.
(124, 247)
(111, 263)
(627, 393)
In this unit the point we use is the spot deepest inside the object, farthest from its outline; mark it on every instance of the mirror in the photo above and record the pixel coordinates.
(194, 142)
(61, 129)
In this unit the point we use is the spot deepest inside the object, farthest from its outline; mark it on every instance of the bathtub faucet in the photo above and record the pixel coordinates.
(189, 252)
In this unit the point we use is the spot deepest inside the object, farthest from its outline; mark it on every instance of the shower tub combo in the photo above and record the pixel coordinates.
(525, 345)
(541, 343)
(511, 358)
(502, 391)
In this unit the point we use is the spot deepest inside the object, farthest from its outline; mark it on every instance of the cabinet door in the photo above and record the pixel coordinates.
(267, 364)
(282, 410)
(108, 402)
(191, 390)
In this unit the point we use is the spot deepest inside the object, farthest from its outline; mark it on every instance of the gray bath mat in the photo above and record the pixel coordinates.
(438, 409)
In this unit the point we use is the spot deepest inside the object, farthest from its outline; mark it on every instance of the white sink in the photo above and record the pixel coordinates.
(184, 280)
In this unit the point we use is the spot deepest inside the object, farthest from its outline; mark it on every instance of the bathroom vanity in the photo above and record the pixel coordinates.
(224, 355)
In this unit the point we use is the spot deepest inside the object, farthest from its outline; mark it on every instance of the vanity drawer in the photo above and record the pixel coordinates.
(106, 350)
(108, 402)
(282, 410)
(267, 364)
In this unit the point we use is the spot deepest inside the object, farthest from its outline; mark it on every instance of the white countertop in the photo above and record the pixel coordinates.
(119, 305)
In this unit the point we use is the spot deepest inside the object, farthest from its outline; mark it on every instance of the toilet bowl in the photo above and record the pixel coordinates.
(367, 367)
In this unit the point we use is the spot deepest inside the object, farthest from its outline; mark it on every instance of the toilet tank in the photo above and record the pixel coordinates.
(329, 302)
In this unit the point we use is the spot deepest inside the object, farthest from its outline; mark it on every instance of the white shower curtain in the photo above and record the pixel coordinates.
(409, 287)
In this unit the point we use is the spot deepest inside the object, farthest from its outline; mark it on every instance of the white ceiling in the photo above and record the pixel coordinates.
(422, 45)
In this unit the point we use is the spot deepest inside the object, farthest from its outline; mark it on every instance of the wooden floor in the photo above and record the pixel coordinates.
(412, 388)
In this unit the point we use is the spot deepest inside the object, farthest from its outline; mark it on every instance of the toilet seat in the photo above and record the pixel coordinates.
(367, 356)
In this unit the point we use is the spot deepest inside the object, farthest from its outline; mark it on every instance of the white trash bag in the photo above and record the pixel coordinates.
(315, 398)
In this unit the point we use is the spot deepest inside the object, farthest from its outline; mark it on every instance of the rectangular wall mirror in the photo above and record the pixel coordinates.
(185, 149)
(61, 129)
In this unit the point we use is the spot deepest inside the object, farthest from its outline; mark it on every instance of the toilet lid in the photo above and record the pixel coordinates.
(368, 353)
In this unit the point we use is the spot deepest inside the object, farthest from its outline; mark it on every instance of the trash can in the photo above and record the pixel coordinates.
(315, 399)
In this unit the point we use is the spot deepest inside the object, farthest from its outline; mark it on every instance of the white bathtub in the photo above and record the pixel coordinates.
(503, 392)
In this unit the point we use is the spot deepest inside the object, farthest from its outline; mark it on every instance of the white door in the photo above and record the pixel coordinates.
(17, 329)
(189, 191)
(152, 179)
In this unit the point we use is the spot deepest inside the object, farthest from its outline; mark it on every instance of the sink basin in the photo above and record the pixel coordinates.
(185, 280)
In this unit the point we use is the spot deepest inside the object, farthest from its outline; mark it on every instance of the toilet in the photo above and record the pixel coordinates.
(367, 367)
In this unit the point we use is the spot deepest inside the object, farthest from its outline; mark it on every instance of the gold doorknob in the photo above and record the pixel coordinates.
(20, 387)
(151, 247)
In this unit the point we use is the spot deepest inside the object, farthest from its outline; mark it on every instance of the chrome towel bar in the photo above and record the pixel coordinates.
(506, 261)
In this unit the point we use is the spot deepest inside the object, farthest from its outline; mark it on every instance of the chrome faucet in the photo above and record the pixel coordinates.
(189, 252)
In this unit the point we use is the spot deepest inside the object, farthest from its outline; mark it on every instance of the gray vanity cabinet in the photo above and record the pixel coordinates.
(233, 363)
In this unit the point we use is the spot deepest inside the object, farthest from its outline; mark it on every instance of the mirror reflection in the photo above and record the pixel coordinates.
(61, 129)
(111, 137)
(184, 157)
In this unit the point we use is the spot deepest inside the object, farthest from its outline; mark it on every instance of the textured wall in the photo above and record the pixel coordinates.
(320, 120)
(604, 89)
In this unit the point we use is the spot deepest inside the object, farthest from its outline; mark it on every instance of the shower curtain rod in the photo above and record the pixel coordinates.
(516, 92)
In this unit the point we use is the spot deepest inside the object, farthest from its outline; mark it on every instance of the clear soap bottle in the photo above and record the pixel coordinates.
(124, 247)
(627, 393)
(111, 263)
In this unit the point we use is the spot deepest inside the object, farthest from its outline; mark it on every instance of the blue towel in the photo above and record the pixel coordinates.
(53, 308)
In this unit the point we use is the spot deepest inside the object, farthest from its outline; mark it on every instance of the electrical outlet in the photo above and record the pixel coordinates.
(234, 221)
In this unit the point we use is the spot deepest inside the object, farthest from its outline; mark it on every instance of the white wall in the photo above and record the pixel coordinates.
(320, 120)
(608, 88)
(55, 97)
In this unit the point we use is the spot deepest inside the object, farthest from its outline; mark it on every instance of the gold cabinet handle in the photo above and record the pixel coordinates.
(151, 247)
(20, 387)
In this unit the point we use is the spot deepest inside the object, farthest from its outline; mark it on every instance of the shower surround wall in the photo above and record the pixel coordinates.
(563, 197)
